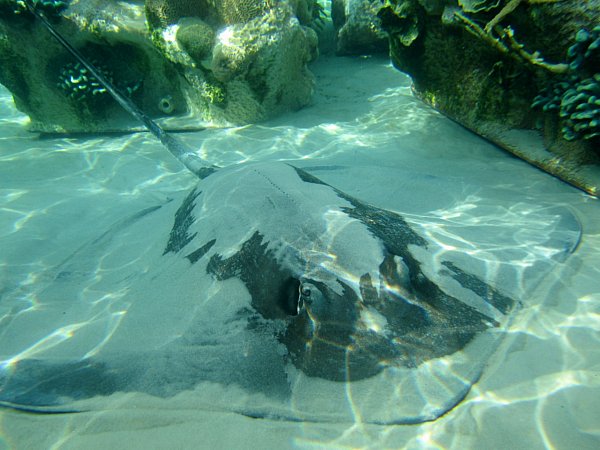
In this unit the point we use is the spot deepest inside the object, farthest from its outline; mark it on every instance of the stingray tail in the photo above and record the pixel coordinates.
(182, 152)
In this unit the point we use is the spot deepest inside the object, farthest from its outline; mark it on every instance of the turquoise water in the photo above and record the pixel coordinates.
(74, 275)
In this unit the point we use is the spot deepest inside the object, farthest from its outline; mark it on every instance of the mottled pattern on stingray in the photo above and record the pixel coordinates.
(402, 318)
(273, 288)
(307, 177)
(332, 344)
(337, 341)
(424, 322)
(275, 285)
(179, 236)
(200, 252)
(493, 296)
(396, 235)
(43, 382)
(419, 321)
(195, 256)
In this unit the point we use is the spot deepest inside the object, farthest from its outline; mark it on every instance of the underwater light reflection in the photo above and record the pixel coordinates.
(53, 339)
(317, 137)
(31, 303)
(113, 322)
(24, 217)
(141, 188)
(332, 128)
(469, 213)
(9, 195)
(18, 122)
(67, 332)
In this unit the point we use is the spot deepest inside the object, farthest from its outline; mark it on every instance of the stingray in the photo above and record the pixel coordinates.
(268, 292)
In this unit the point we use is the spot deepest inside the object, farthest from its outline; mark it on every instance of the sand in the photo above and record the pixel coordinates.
(540, 388)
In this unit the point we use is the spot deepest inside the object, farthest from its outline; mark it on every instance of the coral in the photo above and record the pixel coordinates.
(196, 37)
(580, 109)
(240, 11)
(509, 8)
(81, 86)
(507, 44)
(576, 96)
(501, 38)
(162, 13)
(51, 8)
(213, 93)
(578, 104)
(78, 84)
(482, 6)
(550, 97)
(584, 54)
(435, 7)
(318, 15)
(309, 12)
(399, 18)
(474, 6)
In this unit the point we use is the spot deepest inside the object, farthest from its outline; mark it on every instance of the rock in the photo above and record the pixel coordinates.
(265, 60)
(402, 20)
(254, 68)
(358, 29)
(60, 97)
(486, 77)
(195, 37)
(191, 61)
(162, 13)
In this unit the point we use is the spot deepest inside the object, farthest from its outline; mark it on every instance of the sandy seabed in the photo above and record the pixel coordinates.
(540, 389)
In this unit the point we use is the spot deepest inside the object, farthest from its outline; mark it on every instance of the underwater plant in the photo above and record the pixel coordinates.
(503, 40)
(474, 6)
(584, 54)
(580, 109)
(576, 96)
(399, 19)
(318, 15)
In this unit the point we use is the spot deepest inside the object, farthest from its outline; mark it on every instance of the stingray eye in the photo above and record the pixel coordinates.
(303, 295)
(304, 291)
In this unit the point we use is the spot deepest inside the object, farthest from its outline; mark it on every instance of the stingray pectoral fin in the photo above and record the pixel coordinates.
(44, 386)
(40, 409)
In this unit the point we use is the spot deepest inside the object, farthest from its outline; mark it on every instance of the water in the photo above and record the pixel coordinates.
(372, 140)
